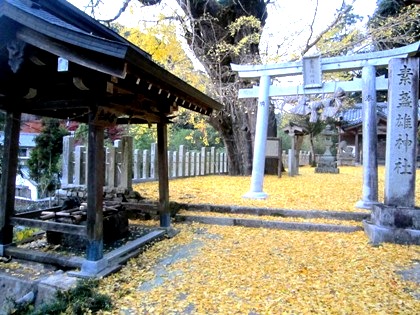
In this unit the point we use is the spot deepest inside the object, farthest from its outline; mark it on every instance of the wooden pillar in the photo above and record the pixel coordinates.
(95, 185)
(8, 177)
(162, 148)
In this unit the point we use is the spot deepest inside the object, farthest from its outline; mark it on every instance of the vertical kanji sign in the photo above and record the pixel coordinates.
(402, 132)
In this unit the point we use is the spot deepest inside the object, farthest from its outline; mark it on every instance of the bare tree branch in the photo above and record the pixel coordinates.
(340, 15)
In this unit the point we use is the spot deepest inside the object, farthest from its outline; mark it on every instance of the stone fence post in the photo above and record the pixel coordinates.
(68, 161)
(123, 164)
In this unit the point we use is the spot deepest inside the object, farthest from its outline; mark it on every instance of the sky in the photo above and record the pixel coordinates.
(287, 22)
(290, 11)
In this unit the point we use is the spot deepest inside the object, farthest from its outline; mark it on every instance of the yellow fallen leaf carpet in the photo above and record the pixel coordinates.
(208, 269)
(307, 191)
(235, 270)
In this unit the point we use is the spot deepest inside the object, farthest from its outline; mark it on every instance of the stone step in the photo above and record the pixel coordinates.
(277, 212)
(290, 223)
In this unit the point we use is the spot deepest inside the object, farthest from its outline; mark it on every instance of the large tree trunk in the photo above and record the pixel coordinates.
(234, 126)
(312, 145)
(236, 122)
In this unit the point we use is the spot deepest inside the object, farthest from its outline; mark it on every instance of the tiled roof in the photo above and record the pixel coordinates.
(353, 116)
(37, 11)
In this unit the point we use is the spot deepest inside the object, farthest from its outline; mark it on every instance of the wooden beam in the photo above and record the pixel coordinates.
(138, 121)
(50, 226)
(8, 176)
(62, 104)
(44, 258)
(35, 213)
(162, 147)
(95, 184)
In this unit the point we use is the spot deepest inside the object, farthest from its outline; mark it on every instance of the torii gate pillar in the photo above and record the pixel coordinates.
(370, 140)
(258, 162)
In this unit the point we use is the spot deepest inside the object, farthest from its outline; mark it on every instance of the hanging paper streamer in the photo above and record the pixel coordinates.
(329, 110)
(329, 106)
(315, 106)
(302, 107)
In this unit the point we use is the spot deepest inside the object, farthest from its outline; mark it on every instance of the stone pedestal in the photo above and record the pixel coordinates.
(393, 225)
(326, 165)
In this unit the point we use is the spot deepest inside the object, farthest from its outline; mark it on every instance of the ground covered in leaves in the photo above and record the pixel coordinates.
(236, 270)
(307, 191)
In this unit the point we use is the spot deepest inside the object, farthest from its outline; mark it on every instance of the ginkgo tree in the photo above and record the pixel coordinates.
(212, 28)
(163, 43)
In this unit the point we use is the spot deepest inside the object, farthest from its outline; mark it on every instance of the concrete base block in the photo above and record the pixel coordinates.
(391, 224)
(380, 234)
(255, 195)
(365, 204)
(13, 289)
(3, 249)
(396, 217)
(170, 232)
(48, 286)
(91, 269)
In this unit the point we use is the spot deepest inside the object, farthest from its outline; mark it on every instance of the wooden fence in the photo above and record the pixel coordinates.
(124, 165)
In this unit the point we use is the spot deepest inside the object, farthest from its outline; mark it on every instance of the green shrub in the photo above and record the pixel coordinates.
(79, 300)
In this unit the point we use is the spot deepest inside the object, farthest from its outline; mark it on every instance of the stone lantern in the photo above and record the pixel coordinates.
(327, 163)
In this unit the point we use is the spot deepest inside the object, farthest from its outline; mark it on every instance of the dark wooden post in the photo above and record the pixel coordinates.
(356, 147)
(162, 143)
(95, 184)
(8, 176)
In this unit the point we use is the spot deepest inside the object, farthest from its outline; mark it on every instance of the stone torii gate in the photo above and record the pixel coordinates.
(312, 68)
